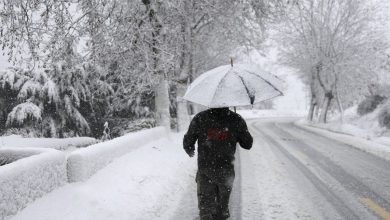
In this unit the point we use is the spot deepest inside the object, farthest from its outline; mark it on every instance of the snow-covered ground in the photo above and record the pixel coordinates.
(363, 132)
(156, 181)
(67, 144)
(142, 184)
(366, 126)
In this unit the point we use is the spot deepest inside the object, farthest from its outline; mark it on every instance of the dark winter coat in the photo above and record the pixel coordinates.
(217, 132)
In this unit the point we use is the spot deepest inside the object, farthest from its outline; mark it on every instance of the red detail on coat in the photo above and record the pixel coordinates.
(217, 135)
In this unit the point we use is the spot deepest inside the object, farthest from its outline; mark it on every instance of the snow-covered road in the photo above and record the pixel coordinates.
(317, 177)
(290, 173)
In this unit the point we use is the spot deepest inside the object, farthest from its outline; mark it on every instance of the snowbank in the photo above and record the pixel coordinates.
(365, 127)
(83, 163)
(27, 175)
(55, 143)
(363, 144)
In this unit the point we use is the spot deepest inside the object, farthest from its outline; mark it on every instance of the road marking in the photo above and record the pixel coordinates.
(383, 213)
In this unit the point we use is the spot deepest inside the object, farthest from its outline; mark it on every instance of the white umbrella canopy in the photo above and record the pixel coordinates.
(238, 85)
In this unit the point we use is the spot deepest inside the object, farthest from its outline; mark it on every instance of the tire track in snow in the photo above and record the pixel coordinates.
(322, 188)
(341, 188)
(350, 181)
(284, 189)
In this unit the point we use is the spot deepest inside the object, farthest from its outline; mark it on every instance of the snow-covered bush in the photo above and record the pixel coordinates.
(85, 162)
(384, 116)
(27, 175)
(370, 104)
(122, 126)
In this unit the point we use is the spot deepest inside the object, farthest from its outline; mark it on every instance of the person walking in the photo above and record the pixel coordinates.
(217, 131)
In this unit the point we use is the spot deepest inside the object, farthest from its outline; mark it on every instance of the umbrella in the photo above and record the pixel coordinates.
(238, 85)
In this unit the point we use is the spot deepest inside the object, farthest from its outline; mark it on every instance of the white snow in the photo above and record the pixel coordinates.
(364, 127)
(4, 64)
(55, 143)
(30, 174)
(85, 162)
(155, 180)
(270, 188)
(22, 112)
(29, 88)
(147, 183)
(369, 146)
(50, 88)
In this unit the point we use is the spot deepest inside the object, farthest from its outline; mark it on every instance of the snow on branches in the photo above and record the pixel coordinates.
(337, 45)
(52, 96)
(24, 112)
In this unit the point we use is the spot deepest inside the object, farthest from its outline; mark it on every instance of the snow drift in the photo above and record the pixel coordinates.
(83, 163)
(28, 174)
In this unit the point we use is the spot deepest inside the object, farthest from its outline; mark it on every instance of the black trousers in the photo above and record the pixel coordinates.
(213, 194)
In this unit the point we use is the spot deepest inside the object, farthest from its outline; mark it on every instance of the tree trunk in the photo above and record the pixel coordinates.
(325, 107)
(341, 109)
(313, 104)
(183, 118)
(311, 112)
(162, 103)
(316, 112)
(161, 99)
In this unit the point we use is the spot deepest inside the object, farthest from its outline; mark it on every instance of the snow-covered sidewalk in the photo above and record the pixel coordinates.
(142, 184)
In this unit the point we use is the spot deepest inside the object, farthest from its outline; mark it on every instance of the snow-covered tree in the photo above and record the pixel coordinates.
(210, 32)
(40, 99)
(113, 58)
(336, 44)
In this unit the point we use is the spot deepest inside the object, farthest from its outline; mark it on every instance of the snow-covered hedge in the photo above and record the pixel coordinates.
(55, 143)
(27, 175)
(83, 163)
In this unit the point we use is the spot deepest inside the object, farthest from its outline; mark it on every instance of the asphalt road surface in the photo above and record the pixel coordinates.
(292, 173)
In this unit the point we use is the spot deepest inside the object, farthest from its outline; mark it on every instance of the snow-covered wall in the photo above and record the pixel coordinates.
(55, 143)
(83, 163)
(28, 175)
